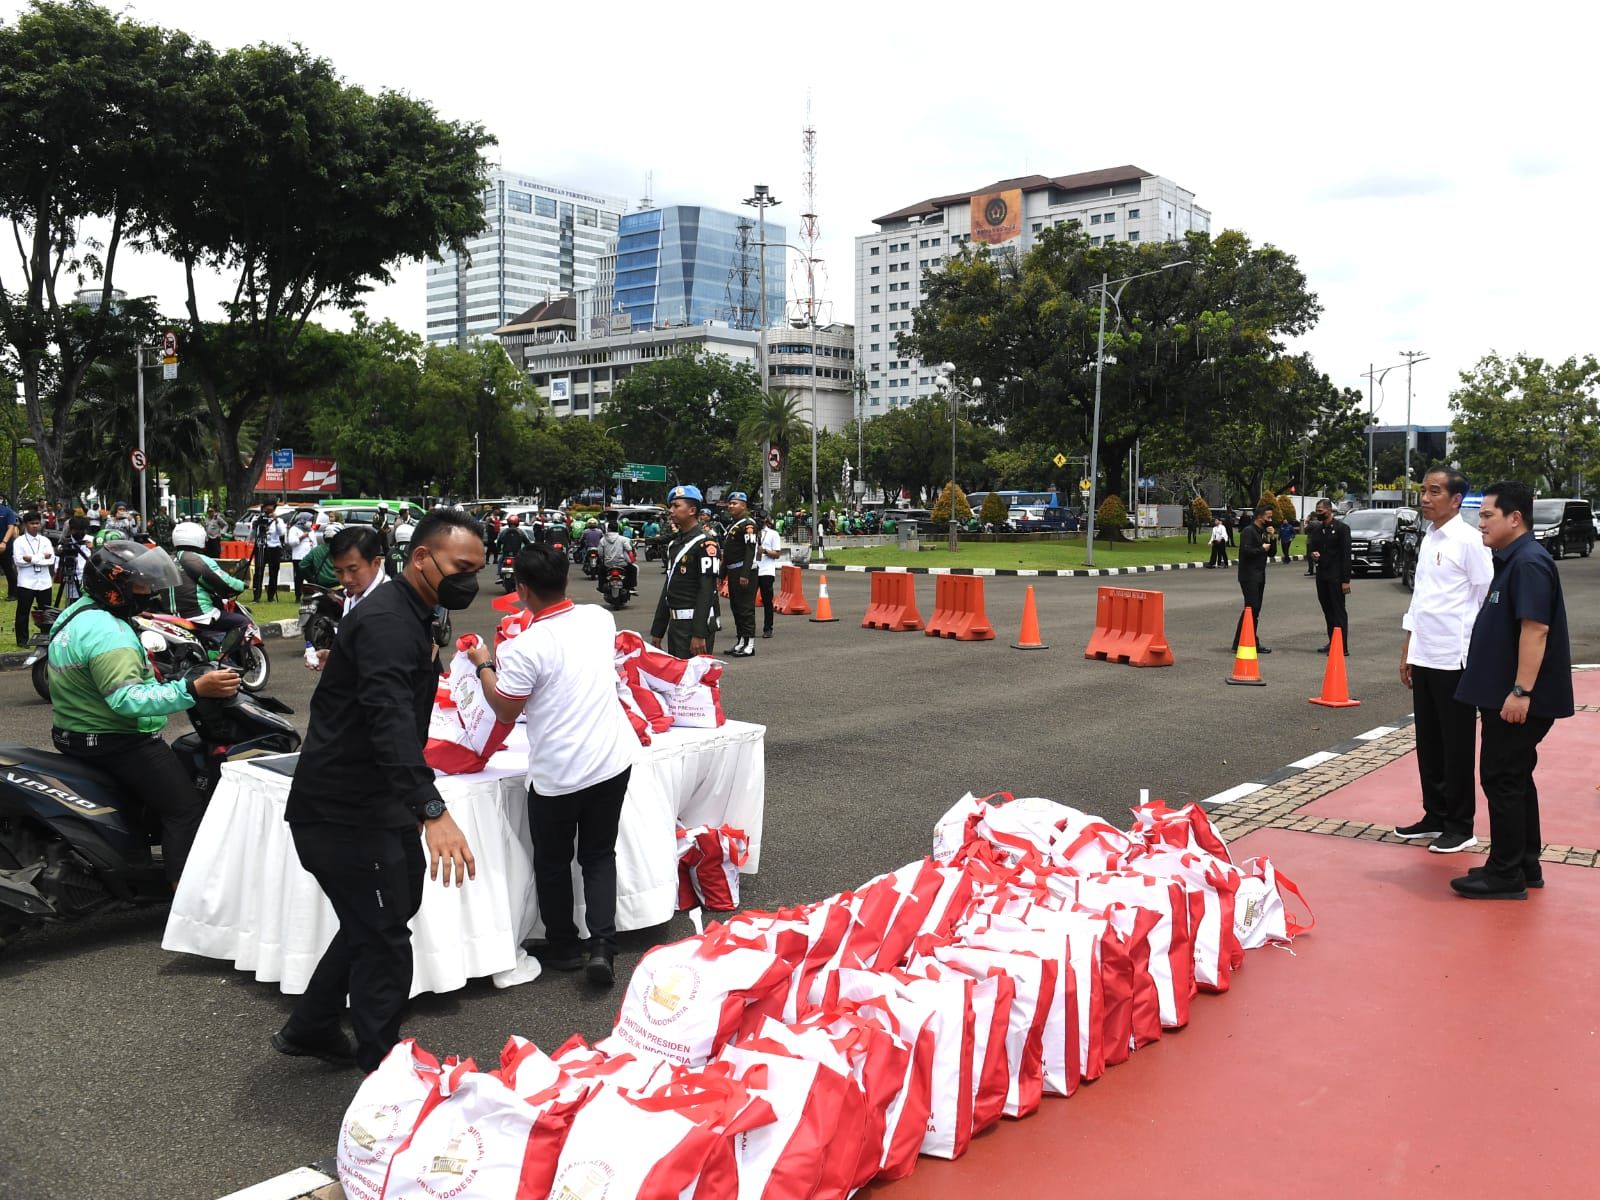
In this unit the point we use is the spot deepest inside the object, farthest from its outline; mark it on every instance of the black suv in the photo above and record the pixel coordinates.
(1376, 537)
(1564, 525)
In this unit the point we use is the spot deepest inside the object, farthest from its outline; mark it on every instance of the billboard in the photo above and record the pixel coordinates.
(997, 216)
(308, 474)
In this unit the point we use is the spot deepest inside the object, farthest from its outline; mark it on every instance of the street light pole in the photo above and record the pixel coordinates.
(477, 467)
(1374, 376)
(956, 394)
(761, 201)
(811, 319)
(1412, 357)
(144, 494)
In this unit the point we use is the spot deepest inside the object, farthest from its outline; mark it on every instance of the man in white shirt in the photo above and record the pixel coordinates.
(302, 539)
(35, 560)
(767, 555)
(1454, 569)
(560, 672)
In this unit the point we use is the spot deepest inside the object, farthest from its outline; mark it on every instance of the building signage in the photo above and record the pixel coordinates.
(561, 391)
(997, 216)
(305, 474)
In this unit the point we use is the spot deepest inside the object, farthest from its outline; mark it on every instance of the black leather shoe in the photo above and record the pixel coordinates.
(339, 1050)
(1325, 646)
(555, 958)
(1487, 887)
(1529, 883)
(766, 633)
(600, 971)
(1263, 649)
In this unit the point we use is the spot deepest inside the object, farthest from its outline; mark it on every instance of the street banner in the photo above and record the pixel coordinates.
(308, 474)
(997, 216)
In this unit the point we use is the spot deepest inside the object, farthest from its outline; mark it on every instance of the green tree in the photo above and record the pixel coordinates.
(1525, 418)
(566, 457)
(1202, 510)
(1286, 508)
(1111, 516)
(994, 510)
(941, 506)
(686, 411)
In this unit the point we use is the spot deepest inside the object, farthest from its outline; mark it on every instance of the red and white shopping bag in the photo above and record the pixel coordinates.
(1260, 910)
(990, 999)
(1186, 828)
(510, 626)
(806, 1150)
(478, 733)
(617, 1147)
(649, 703)
(635, 715)
(711, 864)
(1212, 884)
(385, 1111)
(957, 828)
(1171, 957)
(823, 928)
(687, 999)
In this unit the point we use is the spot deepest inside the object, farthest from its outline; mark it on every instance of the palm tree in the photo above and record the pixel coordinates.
(777, 421)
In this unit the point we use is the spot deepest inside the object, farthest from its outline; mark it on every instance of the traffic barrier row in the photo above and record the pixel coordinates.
(958, 609)
(893, 603)
(791, 598)
(1130, 626)
(237, 550)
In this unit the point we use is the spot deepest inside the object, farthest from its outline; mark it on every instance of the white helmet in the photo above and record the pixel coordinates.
(189, 535)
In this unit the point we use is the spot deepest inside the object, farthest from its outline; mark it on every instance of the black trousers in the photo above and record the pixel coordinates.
(742, 600)
(1219, 554)
(764, 586)
(1446, 730)
(1330, 594)
(679, 635)
(592, 816)
(1510, 754)
(9, 566)
(267, 560)
(26, 599)
(373, 878)
(1254, 590)
(1194, 535)
(147, 767)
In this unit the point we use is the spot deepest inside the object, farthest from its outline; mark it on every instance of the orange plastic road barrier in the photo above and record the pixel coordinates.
(237, 550)
(824, 605)
(1246, 667)
(791, 598)
(958, 610)
(1335, 687)
(893, 603)
(1130, 626)
(1029, 638)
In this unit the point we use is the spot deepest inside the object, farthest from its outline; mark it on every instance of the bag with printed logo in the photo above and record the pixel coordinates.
(1261, 910)
(712, 866)
(1212, 884)
(616, 1148)
(385, 1111)
(478, 733)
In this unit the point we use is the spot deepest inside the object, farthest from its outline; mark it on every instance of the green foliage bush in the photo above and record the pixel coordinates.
(1112, 514)
(994, 509)
(941, 506)
(1202, 510)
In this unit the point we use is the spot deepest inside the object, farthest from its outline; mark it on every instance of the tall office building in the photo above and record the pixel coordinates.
(539, 240)
(1117, 204)
(686, 264)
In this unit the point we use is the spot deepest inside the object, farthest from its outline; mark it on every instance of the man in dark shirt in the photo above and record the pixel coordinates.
(1256, 544)
(362, 790)
(1519, 678)
(1332, 561)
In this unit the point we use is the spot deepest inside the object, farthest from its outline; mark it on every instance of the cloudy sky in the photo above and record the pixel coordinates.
(1431, 173)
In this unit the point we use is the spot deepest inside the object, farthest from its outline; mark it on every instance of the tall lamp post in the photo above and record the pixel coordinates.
(811, 320)
(762, 200)
(622, 484)
(1374, 377)
(1412, 357)
(1106, 297)
(956, 395)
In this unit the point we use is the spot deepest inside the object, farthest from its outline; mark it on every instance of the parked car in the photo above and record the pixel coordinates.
(1563, 525)
(1376, 538)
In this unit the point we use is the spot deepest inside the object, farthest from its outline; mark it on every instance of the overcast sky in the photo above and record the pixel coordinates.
(1430, 167)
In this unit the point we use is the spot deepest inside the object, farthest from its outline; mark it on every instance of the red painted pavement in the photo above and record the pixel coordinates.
(1414, 1044)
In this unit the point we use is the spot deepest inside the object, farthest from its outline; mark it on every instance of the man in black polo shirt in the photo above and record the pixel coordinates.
(1256, 544)
(362, 790)
(1519, 678)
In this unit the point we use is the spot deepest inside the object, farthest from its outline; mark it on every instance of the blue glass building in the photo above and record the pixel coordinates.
(681, 265)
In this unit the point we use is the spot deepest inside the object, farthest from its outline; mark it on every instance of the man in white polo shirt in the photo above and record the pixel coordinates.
(1454, 569)
(560, 671)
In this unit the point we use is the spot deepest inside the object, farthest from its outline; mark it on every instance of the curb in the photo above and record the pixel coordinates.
(1069, 573)
(1320, 758)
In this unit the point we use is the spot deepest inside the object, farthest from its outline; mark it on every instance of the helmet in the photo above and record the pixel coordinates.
(189, 535)
(686, 491)
(109, 535)
(513, 519)
(116, 567)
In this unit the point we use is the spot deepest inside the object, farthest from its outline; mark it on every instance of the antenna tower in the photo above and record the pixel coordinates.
(808, 218)
(649, 186)
(741, 306)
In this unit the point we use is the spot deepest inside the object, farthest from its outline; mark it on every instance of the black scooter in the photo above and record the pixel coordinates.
(74, 842)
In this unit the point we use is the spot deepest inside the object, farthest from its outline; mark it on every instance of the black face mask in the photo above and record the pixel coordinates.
(456, 591)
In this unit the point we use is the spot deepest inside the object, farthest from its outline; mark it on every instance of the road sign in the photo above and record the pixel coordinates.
(1147, 482)
(139, 461)
(1083, 486)
(1060, 460)
(169, 370)
(169, 347)
(642, 473)
(283, 460)
(775, 459)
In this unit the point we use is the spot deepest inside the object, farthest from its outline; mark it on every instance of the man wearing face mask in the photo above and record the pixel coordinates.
(362, 791)
(109, 709)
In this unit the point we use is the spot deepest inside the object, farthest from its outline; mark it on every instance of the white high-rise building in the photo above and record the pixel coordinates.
(540, 240)
(1117, 204)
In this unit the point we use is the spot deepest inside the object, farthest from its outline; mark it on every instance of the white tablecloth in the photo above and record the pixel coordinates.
(244, 896)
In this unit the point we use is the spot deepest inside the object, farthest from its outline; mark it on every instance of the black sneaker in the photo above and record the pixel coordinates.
(340, 1050)
(766, 633)
(555, 958)
(1418, 831)
(1487, 887)
(1452, 843)
(600, 972)
(1528, 883)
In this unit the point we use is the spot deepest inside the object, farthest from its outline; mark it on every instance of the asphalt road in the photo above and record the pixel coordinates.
(133, 1072)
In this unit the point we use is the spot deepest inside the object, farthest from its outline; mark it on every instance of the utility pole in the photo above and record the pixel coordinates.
(1412, 357)
(762, 200)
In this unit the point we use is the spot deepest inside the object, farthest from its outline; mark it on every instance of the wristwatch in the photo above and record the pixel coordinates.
(433, 809)
(480, 668)
(1519, 691)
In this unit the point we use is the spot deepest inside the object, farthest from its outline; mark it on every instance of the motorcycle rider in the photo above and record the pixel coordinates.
(202, 582)
(512, 539)
(617, 551)
(109, 708)
(592, 536)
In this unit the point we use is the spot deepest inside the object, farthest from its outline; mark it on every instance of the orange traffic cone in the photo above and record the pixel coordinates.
(1335, 687)
(1028, 638)
(1246, 668)
(824, 605)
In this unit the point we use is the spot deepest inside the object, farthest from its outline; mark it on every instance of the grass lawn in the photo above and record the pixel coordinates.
(1040, 556)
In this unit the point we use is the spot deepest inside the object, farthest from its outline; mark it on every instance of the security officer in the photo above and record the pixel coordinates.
(686, 614)
(740, 546)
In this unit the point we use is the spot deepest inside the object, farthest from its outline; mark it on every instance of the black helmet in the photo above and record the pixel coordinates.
(115, 568)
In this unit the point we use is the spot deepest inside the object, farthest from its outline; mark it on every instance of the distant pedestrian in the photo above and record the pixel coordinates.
(270, 532)
(1219, 543)
(214, 534)
(35, 559)
(1286, 531)
(767, 571)
(1191, 523)
(9, 528)
(1454, 569)
(1256, 543)
(1331, 559)
(1519, 678)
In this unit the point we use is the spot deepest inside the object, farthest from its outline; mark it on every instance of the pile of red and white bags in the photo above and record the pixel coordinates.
(659, 691)
(804, 1052)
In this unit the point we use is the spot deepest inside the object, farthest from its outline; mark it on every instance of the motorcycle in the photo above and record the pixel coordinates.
(74, 842)
(614, 588)
(591, 561)
(249, 656)
(508, 574)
